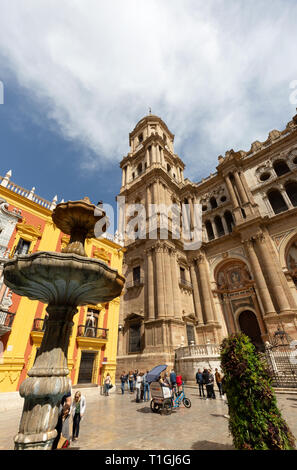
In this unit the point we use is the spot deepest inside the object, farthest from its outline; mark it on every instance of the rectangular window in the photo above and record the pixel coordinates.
(190, 334)
(23, 247)
(134, 338)
(136, 275)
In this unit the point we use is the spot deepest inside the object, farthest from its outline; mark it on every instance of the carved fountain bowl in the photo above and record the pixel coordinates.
(75, 215)
(62, 278)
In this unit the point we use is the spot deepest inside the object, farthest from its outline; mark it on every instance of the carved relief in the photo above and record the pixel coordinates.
(233, 276)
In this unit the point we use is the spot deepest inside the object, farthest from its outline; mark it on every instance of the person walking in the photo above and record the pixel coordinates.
(146, 387)
(78, 410)
(172, 379)
(62, 440)
(131, 380)
(135, 376)
(219, 382)
(210, 385)
(199, 380)
(205, 378)
(107, 384)
(123, 379)
(139, 380)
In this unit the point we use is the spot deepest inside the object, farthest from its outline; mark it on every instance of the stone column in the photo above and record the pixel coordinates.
(147, 157)
(168, 283)
(175, 285)
(123, 176)
(231, 192)
(160, 280)
(154, 155)
(150, 285)
(259, 278)
(240, 188)
(162, 156)
(205, 288)
(196, 295)
(156, 192)
(271, 273)
(224, 224)
(234, 199)
(47, 383)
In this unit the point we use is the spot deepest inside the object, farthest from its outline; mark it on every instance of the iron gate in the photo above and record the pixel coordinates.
(281, 359)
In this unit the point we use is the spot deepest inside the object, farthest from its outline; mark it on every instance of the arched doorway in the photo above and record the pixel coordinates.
(249, 325)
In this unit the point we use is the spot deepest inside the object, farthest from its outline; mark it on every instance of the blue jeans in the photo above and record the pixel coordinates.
(146, 391)
(123, 387)
(131, 385)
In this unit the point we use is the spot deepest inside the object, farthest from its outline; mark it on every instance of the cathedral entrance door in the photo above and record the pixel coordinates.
(249, 325)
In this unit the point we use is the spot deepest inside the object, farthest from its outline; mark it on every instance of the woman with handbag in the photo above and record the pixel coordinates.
(78, 409)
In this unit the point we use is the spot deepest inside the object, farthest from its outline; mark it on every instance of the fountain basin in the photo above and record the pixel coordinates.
(62, 278)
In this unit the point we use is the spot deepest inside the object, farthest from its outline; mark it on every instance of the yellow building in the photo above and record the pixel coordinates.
(26, 226)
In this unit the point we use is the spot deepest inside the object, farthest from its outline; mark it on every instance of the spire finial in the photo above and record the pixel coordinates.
(150, 110)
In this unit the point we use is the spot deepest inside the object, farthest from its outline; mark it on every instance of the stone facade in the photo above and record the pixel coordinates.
(242, 278)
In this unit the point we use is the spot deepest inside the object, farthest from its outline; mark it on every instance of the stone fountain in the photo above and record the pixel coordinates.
(64, 281)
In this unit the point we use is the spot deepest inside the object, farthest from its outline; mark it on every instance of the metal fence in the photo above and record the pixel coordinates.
(280, 355)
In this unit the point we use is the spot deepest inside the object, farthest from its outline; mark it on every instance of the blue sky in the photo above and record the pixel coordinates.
(79, 74)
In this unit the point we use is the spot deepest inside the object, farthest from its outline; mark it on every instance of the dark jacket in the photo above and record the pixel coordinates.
(199, 378)
(205, 377)
(173, 378)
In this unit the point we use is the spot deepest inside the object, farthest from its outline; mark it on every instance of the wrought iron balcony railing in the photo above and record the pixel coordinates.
(39, 324)
(92, 332)
(6, 319)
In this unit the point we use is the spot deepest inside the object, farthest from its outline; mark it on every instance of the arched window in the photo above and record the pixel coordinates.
(229, 220)
(209, 230)
(291, 189)
(168, 168)
(213, 202)
(219, 226)
(280, 167)
(277, 202)
(139, 169)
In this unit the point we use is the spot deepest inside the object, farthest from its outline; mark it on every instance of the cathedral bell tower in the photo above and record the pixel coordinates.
(151, 315)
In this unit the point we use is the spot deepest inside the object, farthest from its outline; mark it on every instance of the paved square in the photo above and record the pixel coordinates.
(119, 423)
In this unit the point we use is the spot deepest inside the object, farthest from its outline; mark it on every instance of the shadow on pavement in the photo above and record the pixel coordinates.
(207, 445)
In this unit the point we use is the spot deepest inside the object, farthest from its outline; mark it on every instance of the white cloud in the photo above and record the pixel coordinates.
(217, 72)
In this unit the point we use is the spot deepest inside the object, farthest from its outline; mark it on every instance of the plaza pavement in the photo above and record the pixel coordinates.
(119, 423)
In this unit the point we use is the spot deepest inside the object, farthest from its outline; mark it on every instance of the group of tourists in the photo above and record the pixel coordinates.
(136, 382)
(68, 409)
(206, 379)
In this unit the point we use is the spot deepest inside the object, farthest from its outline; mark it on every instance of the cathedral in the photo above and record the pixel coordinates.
(241, 277)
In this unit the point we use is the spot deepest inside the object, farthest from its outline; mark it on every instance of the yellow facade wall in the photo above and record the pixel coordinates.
(21, 343)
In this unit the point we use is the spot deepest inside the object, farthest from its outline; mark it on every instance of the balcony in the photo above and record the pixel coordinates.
(185, 284)
(135, 283)
(39, 324)
(92, 332)
(6, 321)
(91, 337)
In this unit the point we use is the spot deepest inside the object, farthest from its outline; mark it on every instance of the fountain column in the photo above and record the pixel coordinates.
(47, 382)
